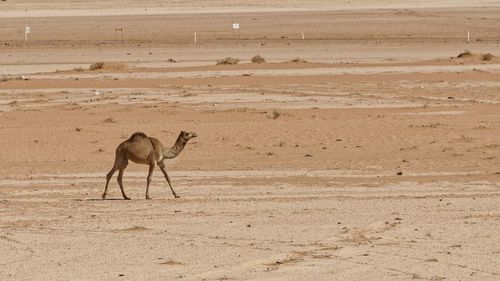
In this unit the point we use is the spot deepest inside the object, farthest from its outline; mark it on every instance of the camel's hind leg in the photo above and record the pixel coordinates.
(120, 163)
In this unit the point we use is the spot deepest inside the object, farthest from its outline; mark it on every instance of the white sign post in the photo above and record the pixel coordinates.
(195, 37)
(120, 30)
(236, 26)
(27, 31)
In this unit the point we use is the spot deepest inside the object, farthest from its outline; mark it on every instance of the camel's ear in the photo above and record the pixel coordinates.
(183, 132)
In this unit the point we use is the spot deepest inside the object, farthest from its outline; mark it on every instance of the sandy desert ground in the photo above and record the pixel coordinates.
(375, 157)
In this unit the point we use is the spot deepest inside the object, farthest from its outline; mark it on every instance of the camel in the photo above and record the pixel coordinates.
(141, 149)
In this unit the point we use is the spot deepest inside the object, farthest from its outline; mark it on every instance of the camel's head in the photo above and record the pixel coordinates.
(188, 135)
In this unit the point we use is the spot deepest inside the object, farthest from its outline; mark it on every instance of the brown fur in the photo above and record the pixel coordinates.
(141, 149)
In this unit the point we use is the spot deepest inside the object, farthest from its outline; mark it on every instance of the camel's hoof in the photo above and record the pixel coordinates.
(126, 198)
(177, 196)
(103, 197)
(148, 198)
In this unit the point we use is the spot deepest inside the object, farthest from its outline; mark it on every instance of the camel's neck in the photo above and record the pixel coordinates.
(176, 149)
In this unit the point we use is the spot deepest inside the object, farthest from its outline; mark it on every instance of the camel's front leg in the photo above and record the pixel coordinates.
(108, 178)
(120, 183)
(162, 168)
(150, 177)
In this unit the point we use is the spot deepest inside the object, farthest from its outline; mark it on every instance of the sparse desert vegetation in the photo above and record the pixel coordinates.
(298, 60)
(487, 57)
(5, 78)
(275, 114)
(482, 57)
(107, 66)
(465, 54)
(96, 66)
(377, 160)
(228, 61)
(258, 59)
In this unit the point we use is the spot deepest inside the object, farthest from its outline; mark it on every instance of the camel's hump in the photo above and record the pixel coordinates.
(137, 135)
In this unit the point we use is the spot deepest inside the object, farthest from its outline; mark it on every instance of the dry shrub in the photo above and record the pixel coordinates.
(171, 262)
(107, 65)
(10, 77)
(228, 60)
(298, 60)
(97, 65)
(275, 115)
(464, 54)
(487, 57)
(258, 59)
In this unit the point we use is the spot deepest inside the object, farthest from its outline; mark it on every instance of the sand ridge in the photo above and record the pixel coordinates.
(54, 8)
